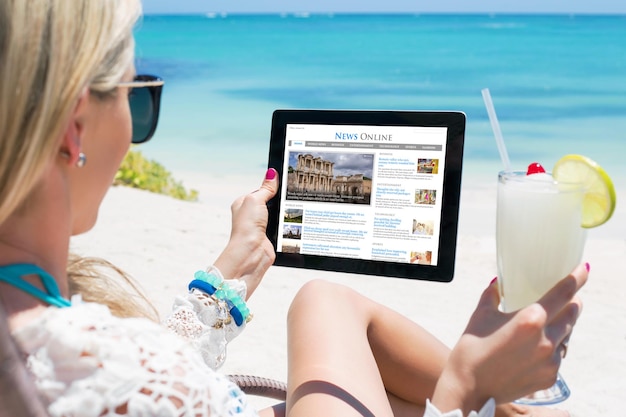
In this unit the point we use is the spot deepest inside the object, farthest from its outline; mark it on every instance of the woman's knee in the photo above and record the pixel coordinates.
(320, 297)
(311, 294)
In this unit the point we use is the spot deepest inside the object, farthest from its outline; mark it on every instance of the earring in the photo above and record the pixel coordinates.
(82, 160)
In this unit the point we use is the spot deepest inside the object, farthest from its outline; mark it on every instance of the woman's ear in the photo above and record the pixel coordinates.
(71, 144)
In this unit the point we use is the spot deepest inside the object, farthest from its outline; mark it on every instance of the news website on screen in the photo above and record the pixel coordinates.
(365, 192)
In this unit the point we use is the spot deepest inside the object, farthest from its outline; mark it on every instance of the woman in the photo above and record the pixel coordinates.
(66, 80)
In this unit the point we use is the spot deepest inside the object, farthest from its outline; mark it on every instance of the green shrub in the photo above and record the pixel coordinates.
(139, 172)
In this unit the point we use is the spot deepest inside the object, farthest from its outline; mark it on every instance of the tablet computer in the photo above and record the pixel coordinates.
(367, 192)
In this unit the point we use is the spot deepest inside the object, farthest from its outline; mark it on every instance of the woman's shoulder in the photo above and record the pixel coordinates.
(83, 320)
(85, 352)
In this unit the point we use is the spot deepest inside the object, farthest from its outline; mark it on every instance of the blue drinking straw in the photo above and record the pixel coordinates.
(496, 129)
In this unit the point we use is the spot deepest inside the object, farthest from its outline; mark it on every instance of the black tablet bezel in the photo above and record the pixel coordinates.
(454, 122)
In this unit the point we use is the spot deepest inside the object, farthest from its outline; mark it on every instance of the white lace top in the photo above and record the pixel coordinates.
(87, 362)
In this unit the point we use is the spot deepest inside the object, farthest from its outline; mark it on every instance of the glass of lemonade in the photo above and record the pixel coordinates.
(539, 241)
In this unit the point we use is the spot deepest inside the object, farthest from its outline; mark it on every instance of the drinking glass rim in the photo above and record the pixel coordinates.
(517, 176)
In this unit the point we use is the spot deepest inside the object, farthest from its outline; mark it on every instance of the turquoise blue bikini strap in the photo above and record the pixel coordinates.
(12, 274)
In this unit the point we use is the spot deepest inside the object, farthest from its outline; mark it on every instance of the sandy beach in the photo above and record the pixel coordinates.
(161, 242)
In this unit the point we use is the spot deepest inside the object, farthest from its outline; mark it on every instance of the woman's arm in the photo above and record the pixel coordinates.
(249, 253)
(205, 315)
(508, 355)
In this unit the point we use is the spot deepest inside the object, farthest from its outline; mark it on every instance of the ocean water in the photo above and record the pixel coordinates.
(558, 82)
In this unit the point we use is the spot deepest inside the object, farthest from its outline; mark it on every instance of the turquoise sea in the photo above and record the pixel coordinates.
(558, 82)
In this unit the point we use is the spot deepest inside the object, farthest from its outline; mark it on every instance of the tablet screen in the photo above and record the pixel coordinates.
(369, 192)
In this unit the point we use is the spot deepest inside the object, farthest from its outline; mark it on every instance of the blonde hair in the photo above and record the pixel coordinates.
(98, 280)
(50, 52)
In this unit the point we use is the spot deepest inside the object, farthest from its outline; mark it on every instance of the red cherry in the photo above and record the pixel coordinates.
(535, 168)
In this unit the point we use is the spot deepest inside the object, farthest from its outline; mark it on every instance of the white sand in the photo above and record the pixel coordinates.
(162, 242)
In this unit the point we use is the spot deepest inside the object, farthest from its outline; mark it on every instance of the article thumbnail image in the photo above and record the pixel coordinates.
(427, 197)
(290, 246)
(421, 258)
(293, 216)
(423, 227)
(427, 166)
(330, 177)
(292, 231)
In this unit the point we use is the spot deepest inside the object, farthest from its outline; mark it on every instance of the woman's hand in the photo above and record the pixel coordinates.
(249, 253)
(509, 355)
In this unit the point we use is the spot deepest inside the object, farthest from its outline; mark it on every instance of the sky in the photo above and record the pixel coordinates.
(391, 6)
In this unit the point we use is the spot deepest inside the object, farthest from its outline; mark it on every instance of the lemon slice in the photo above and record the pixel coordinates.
(599, 199)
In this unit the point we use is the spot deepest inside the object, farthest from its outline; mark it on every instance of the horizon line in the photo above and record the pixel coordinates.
(409, 13)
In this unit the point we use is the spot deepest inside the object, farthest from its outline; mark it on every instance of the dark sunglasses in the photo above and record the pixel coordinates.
(144, 100)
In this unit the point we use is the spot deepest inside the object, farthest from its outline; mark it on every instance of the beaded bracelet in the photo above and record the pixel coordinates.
(214, 285)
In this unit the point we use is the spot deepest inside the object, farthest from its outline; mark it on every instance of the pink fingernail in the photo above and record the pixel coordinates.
(587, 266)
(493, 280)
(270, 174)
